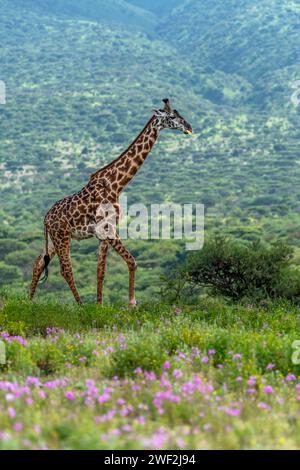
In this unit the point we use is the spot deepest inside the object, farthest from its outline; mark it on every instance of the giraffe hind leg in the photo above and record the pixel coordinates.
(38, 268)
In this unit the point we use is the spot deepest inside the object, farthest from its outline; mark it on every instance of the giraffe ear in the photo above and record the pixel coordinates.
(167, 107)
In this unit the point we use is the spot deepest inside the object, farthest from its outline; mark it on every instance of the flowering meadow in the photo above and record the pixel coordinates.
(215, 376)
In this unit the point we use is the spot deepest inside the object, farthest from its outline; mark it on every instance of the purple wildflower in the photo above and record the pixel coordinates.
(69, 395)
(290, 377)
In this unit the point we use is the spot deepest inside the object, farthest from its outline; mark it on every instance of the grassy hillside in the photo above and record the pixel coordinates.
(78, 91)
(213, 377)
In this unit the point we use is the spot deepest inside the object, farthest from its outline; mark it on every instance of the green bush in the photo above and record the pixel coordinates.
(19, 359)
(48, 358)
(236, 269)
(239, 269)
(142, 352)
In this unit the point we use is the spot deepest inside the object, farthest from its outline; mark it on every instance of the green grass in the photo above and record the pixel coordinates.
(156, 376)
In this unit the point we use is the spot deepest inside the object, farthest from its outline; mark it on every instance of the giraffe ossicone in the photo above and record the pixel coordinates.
(81, 215)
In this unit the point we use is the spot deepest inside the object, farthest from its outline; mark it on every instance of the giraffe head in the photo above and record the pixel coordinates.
(169, 118)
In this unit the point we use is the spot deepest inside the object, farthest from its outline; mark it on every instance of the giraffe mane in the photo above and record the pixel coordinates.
(94, 175)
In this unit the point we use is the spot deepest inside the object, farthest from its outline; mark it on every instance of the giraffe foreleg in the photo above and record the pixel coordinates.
(117, 244)
(103, 249)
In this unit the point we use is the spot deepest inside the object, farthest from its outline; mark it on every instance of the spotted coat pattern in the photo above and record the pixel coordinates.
(80, 215)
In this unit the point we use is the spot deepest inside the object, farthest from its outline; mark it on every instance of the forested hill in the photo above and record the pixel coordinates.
(259, 41)
(112, 11)
(82, 77)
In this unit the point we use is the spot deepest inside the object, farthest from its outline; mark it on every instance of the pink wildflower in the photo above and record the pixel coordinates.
(69, 395)
(177, 373)
(233, 411)
(32, 381)
(251, 382)
(136, 387)
(290, 377)
(180, 443)
(126, 428)
(103, 398)
(11, 412)
(263, 406)
(18, 427)
(237, 356)
(141, 419)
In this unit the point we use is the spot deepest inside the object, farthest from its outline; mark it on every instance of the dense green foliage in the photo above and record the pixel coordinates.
(256, 41)
(81, 84)
(113, 12)
(245, 270)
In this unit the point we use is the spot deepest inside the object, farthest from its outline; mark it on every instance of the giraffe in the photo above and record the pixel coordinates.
(84, 214)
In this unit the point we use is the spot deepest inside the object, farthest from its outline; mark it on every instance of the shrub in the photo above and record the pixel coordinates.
(47, 356)
(143, 352)
(19, 359)
(238, 269)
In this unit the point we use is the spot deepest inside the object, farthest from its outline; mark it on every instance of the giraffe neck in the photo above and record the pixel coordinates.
(121, 171)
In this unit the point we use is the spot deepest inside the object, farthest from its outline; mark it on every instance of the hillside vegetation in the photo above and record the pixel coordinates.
(81, 83)
(114, 11)
(258, 41)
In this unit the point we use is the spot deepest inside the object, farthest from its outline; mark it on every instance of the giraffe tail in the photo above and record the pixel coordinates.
(47, 260)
